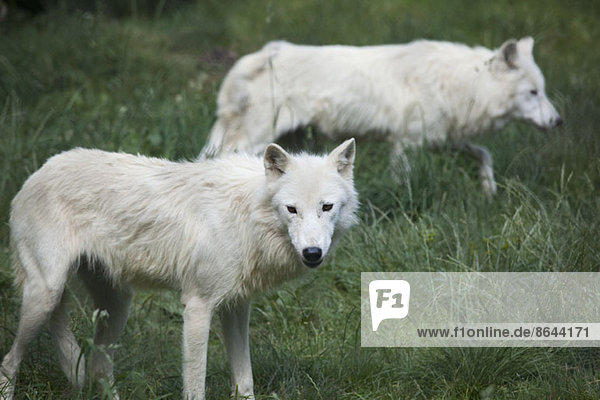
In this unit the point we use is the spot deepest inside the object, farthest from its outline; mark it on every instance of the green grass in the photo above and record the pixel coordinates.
(142, 77)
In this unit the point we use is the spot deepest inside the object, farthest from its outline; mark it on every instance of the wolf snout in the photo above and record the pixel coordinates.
(549, 123)
(312, 256)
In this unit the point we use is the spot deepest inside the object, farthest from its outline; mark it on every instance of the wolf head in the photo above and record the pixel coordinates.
(513, 64)
(314, 197)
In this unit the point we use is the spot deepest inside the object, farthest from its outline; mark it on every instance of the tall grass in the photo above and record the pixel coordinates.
(142, 77)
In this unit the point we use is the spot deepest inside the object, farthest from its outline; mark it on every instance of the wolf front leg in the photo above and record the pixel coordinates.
(399, 164)
(196, 327)
(486, 169)
(235, 320)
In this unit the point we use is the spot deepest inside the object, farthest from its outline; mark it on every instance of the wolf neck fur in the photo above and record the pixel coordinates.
(482, 113)
(274, 251)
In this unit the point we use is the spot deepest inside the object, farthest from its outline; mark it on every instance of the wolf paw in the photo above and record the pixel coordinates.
(7, 389)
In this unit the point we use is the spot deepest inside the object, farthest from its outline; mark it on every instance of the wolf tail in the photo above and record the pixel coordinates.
(228, 133)
(215, 141)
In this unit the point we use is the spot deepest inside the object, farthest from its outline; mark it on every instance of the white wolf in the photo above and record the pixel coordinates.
(217, 230)
(424, 91)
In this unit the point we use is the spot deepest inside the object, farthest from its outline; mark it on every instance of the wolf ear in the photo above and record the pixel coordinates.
(508, 53)
(525, 45)
(276, 161)
(343, 157)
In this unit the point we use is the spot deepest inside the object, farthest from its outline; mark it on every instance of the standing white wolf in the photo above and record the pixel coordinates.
(424, 91)
(217, 230)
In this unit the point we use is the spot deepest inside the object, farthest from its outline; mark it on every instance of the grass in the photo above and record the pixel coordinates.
(142, 77)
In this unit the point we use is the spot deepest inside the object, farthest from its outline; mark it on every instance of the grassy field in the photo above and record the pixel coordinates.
(142, 76)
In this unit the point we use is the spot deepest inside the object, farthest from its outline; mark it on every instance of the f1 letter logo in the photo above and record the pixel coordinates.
(389, 300)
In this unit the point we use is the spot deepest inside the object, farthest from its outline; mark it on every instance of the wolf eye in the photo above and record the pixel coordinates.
(533, 92)
(292, 210)
(327, 207)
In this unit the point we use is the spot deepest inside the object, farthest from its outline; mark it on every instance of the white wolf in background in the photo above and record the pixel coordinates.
(217, 230)
(424, 91)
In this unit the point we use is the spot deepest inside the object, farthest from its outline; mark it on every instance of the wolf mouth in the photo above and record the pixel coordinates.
(312, 264)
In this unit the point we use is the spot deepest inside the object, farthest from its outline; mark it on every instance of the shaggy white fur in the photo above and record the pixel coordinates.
(424, 91)
(217, 230)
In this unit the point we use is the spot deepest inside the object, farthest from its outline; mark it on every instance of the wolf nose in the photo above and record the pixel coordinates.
(558, 121)
(312, 256)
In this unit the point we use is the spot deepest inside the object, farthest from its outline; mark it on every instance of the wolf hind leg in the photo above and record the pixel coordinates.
(40, 297)
(71, 358)
(115, 299)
